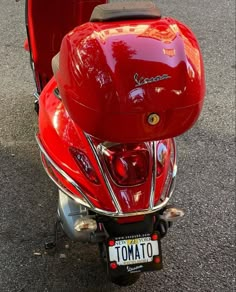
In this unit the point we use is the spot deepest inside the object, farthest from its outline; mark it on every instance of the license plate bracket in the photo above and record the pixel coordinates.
(134, 254)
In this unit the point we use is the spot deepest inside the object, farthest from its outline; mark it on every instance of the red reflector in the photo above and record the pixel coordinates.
(84, 164)
(157, 260)
(154, 236)
(130, 219)
(128, 164)
(111, 242)
(113, 265)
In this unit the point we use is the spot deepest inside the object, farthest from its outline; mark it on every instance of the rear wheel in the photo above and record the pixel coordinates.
(126, 280)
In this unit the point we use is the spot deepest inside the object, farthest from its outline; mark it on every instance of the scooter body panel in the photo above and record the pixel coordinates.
(58, 134)
(122, 90)
(47, 22)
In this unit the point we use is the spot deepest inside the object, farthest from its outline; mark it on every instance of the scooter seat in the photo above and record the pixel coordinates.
(125, 10)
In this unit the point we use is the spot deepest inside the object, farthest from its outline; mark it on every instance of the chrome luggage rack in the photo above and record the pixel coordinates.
(49, 165)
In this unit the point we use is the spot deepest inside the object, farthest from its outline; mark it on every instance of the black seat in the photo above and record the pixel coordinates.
(125, 10)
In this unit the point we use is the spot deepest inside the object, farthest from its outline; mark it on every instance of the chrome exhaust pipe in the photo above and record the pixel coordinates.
(76, 222)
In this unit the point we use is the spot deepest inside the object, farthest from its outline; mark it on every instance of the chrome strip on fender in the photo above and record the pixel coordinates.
(118, 213)
(154, 174)
(64, 190)
(112, 194)
(66, 176)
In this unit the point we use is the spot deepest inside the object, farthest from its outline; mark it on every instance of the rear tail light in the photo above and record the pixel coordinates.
(84, 164)
(128, 164)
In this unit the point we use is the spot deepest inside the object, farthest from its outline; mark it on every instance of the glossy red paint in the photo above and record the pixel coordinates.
(26, 45)
(47, 22)
(112, 76)
(58, 132)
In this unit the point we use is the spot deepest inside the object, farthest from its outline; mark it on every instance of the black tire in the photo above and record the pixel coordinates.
(126, 280)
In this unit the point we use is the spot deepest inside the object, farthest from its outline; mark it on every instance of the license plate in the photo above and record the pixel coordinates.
(134, 250)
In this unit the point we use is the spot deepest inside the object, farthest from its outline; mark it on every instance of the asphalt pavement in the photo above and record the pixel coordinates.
(199, 252)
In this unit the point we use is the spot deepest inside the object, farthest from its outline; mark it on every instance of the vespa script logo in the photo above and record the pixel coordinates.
(134, 269)
(141, 80)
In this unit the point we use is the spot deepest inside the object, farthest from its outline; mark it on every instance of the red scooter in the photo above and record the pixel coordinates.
(124, 81)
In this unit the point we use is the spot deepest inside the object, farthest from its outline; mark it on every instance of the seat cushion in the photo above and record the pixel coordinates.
(125, 10)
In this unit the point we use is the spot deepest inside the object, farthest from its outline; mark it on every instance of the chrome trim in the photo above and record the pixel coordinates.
(36, 96)
(67, 177)
(143, 212)
(118, 213)
(173, 172)
(154, 174)
(175, 156)
(64, 190)
(112, 194)
(57, 93)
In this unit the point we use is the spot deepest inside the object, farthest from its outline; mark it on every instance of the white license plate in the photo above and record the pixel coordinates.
(133, 251)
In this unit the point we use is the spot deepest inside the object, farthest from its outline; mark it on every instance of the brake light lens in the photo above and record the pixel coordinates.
(128, 164)
(84, 164)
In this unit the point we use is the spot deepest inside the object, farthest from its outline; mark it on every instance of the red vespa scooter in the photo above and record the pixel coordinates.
(124, 82)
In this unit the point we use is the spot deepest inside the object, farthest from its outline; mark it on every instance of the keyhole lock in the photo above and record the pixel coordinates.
(153, 119)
